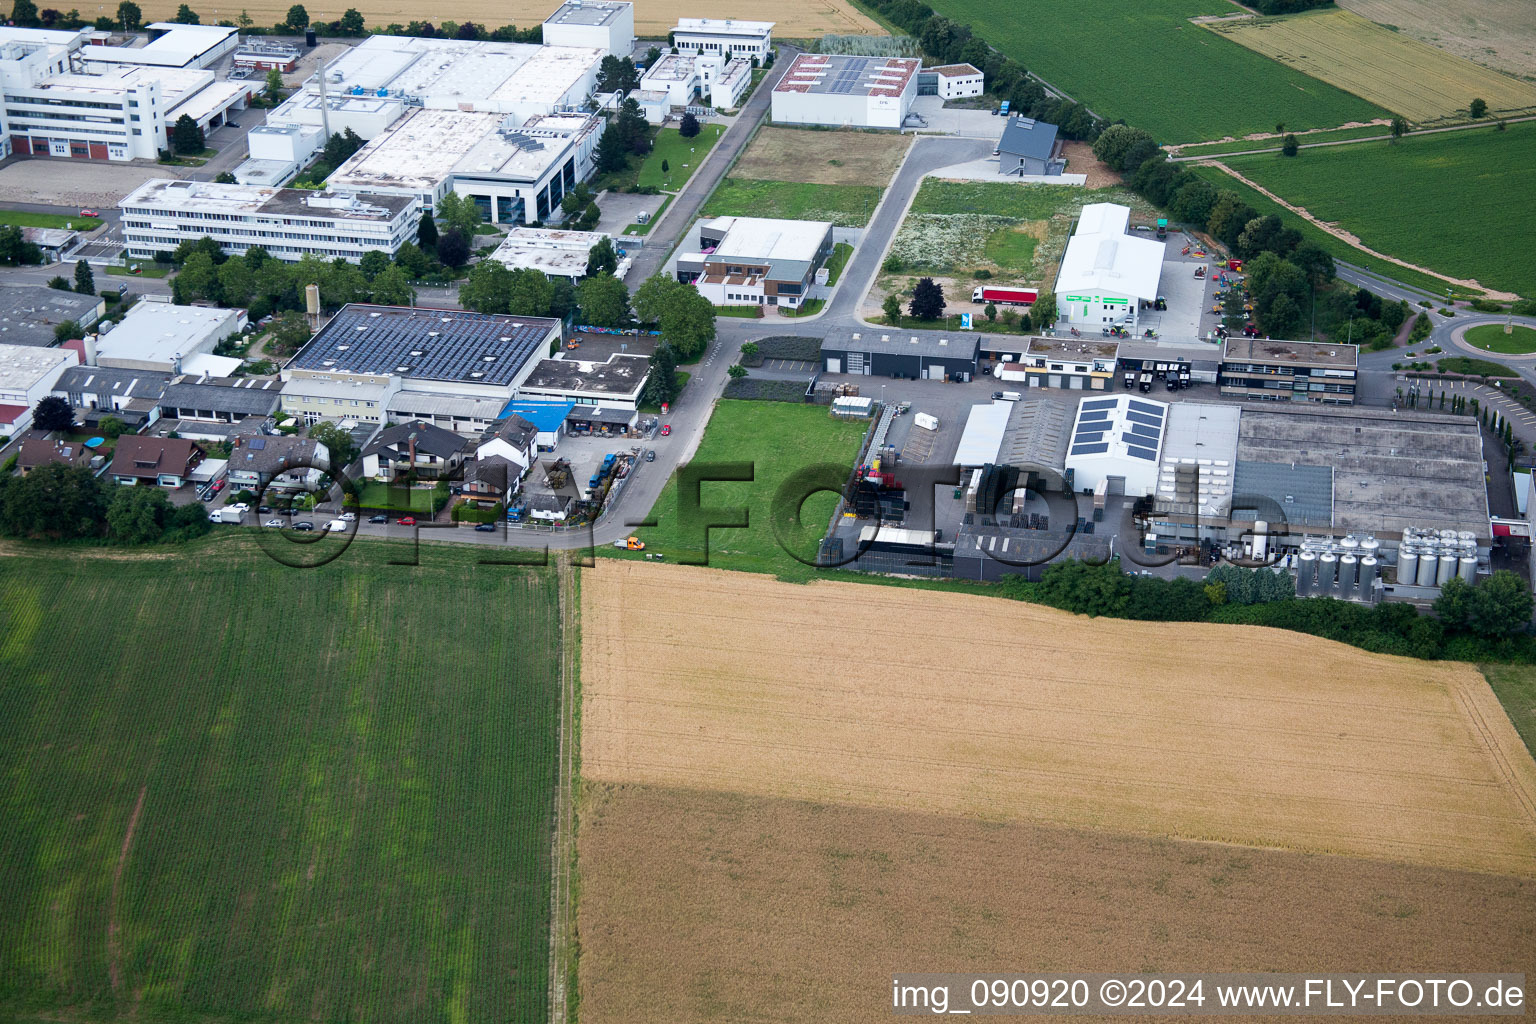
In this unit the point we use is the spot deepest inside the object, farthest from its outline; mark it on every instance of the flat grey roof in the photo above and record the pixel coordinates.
(586, 12)
(619, 375)
(1029, 138)
(29, 313)
(929, 344)
(1072, 348)
(1390, 470)
(432, 344)
(1304, 493)
(1300, 353)
(223, 396)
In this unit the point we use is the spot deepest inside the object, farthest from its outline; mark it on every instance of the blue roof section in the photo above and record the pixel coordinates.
(545, 416)
(1028, 138)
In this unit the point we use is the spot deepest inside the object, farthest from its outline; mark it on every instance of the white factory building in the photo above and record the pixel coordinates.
(289, 223)
(681, 77)
(607, 25)
(846, 91)
(63, 99)
(723, 36)
(1117, 442)
(555, 252)
(951, 81)
(171, 45)
(1106, 272)
(164, 336)
(27, 374)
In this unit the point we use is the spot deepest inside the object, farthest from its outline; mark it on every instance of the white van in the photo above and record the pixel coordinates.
(1012, 396)
(335, 526)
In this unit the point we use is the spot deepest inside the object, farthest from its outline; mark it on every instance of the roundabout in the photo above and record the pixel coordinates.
(1491, 338)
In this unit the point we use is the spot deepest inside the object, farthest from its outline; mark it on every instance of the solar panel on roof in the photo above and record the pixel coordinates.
(1088, 435)
(1089, 449)
(1101, 403)
(1141, 417)
(1147, 407)
(1096, 414)
(1146, 431)
(1141, 453)
(257, 443)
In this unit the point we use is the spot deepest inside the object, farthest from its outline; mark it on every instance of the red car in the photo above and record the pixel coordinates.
(89, 213)
(407, 520)
(218, 486)
(666, 428)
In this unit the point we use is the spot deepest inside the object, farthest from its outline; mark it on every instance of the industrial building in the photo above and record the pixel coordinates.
(1071, 363)
(168, 338)
(710, 77)
(448, 367)
(416, 155)
(1029, 147)
(219, 399)
(260, 54)
(925, 356)
(846, 91)
(555, 252)
(607, 25)
(1106, 272)
(982, 440)
(63, 98)
(1117, 442)
(277, 152)
(951, 81)
(30, 312)
(27, 375)
(723, 36)
(753, 261)
(171, 45)
(289, 223)
(614, 384)
(1290, 371)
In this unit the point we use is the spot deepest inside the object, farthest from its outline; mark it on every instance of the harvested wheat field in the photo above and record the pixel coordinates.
(707, 906)
(947, 703)
(798, 19)
(1497, 33)
(823, 158)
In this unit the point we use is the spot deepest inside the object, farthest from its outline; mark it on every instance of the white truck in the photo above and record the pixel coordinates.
(228, 514)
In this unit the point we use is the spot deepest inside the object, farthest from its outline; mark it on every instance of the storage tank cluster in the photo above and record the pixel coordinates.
(1345, 568)
(1428, 558)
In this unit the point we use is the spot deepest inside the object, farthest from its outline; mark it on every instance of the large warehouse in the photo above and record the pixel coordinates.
(1106, 271)
(607, 25)
(929, 356)
(846, 91)
(1117, 441)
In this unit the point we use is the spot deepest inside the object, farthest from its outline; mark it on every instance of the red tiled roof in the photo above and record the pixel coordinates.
(956, 70)
(12, 413)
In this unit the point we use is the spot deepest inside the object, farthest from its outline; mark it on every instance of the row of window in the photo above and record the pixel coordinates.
(311, 400)
(191, 230)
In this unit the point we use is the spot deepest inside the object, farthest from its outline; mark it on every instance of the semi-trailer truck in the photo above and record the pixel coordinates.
(1005, 296)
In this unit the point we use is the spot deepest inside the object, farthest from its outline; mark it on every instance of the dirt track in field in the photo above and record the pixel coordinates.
(705, 906)
(822, 158)
(853, 694)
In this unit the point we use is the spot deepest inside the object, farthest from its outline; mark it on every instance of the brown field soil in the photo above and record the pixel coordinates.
(976, 706)
(1080, 160)
(1499, 34)
(1390, 69)
(703, 906)
(823, 158)
(800, 19)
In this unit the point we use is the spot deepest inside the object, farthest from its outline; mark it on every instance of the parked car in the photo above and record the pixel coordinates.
(264, 509)
(218, 485)
(650, 455)
(290, 512)
(997, 396)
(378, 519)
(485, 527)
(239, 506)
(407, 520)
(666, 428)
(348, 517)
(304, 525)
(276, 524)
(335, 526)
(88, 212)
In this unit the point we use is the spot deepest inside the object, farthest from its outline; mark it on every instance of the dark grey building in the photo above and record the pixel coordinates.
(926, 355)
(29, 313)
(1028, 147)
(97, 391)
(221, 399)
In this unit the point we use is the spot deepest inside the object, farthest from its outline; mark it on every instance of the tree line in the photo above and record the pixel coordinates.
(66, 503)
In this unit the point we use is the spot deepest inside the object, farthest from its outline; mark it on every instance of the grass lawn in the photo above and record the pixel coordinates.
(1305, 139)
(1441, 201)
(318, 808)
(146, 269)
(1478, 367)
(743, 312)
(373, 494)
(808, 308)
(1142, 60)
(837, 262)
(645, 229)
(1515, 686)
(778, 439)
(681, 155)
(23, 219)
(1337, 247)
(846, 206)
(1491, 338)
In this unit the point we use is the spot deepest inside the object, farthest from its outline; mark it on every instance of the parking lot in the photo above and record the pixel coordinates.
(966, 123)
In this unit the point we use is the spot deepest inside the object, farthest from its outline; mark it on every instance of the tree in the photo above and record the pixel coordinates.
(339, 444)
(225, 178)
(1289, 146)
(653, 296)
(1044, 311)
(426, 233)
(1399, 129)
(458, 213)
(340, 146)
(688, 322)
(373, 263)
(688, 127)
(562, 297)
(60, 283)
(137, 515)
(927, 300)
(661, 385)
(453, 249)
(187, 136)
(1191, 202)
(612, 153)
(85, 280)
(237, 283)
(529, 293)
(1315, 262)
(56, 501)
(604, 301)
(736, 371)
(198, 278)
(15, 249)
(390, 288)
(68, 330)
(602, 259)
(351, 23)
(244, 21)
(24, 14)
(633, 128)
(274, 84)
(298, 18)
(287, 334)
(411, 259)
(617, 74)
(111, 427)
(186, 16)
(1283, 320)
(129, 16)
(990, 311)
(53, 413)
(1479, 108)
(666, 167)
(488, 288)
(891, 307)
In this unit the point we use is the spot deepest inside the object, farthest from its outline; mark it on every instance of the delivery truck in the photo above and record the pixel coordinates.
(1004, 296)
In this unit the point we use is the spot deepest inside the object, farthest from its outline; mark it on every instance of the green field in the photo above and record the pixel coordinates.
(1337, 247)
(237, 791)
(681, 155)
(837, 261)
(848, 206)
(1308, 139)
(23, 219)
(1491, 338)
(1449, 202)
(778, 439)
(1515, 686)
(1142, 60)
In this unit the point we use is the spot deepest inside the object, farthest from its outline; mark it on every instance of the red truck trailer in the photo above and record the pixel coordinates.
(1005, 296)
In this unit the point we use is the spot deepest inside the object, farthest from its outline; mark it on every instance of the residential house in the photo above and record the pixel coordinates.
(550, 508)
(166, 461)
(502, 457)
(38, 450)
(430, 451)
(284, 463)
